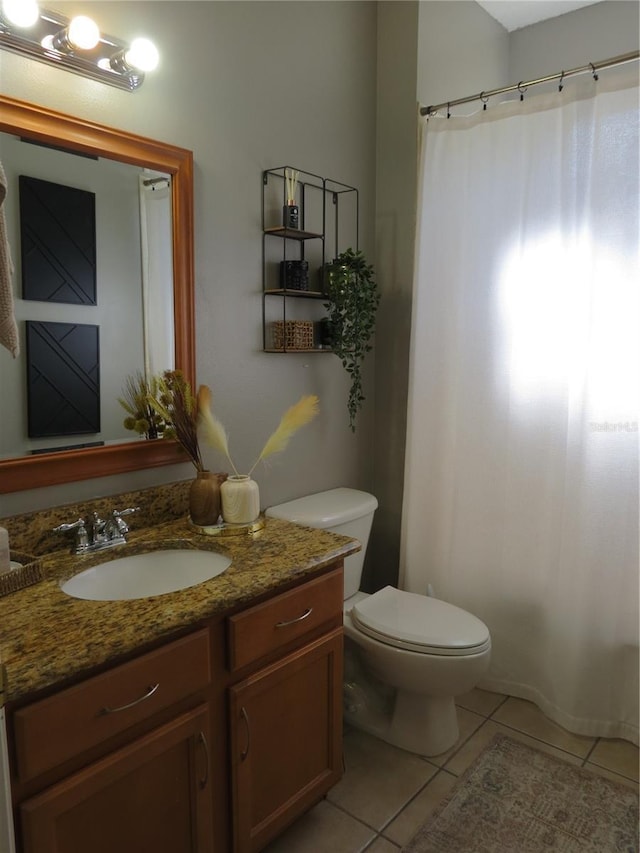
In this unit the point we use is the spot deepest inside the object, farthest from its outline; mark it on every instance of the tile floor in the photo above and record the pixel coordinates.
(386, 794)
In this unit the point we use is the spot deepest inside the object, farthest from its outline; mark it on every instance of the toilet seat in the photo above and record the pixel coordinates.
(420, 624)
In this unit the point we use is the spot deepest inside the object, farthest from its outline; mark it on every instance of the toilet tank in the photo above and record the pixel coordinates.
(346, 511)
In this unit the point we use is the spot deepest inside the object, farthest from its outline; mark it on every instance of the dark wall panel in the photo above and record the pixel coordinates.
(58, 242)
(63, 379)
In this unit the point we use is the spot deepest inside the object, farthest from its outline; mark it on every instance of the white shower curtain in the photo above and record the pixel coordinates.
(157, 272)
(521, 477)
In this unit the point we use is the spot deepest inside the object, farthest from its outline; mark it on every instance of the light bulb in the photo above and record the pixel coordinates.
(21, 13)
(83, 33)
(143, 55)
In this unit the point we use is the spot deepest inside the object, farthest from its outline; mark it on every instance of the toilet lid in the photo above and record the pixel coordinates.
(419, 623)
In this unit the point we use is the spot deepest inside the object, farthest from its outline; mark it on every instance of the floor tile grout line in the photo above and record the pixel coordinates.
(609, 770)
(538, 739)
(354, 817)
(412, 798)
(377, 838)
(462, 744)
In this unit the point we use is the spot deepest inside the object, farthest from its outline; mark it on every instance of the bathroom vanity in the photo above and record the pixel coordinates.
(203, 720)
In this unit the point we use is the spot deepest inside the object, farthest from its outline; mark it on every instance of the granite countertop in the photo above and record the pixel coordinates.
(46, 636)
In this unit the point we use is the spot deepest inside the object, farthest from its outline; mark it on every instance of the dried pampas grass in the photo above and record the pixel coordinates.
(293, 419)
(214, 433)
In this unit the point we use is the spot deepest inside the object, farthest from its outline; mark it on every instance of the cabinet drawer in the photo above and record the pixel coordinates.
(276, 623)
(53, 730)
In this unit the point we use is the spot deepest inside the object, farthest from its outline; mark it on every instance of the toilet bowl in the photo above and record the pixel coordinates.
(406, 655)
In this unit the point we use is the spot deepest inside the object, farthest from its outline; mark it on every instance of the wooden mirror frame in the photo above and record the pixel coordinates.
(54, 128)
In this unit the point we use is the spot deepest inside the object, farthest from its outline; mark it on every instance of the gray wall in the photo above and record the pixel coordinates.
(426, 51)
(570, 41)
(246, 86)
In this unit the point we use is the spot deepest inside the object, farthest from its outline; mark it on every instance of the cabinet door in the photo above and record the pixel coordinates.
(286, 735)
(152, 796)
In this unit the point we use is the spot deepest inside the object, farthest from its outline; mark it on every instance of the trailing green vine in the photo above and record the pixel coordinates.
(351, 288)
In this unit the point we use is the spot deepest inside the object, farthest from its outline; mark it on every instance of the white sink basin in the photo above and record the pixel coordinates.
(144, 575)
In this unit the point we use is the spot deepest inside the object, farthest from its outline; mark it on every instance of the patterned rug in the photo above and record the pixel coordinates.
(515, 799)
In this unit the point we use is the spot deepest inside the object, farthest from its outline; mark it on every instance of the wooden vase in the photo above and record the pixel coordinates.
(204, 499)
(240, 499)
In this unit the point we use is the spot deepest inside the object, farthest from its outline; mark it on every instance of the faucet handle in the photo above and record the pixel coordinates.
(81, 538)
(117, 515)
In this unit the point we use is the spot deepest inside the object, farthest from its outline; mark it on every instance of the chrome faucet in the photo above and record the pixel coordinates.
(97, 533)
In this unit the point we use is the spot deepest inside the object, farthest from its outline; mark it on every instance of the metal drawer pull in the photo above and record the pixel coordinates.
(202, 783)
(147, 695)
(306, 613)
(245, 717)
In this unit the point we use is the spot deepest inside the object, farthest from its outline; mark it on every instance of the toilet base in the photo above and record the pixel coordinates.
(421, 724)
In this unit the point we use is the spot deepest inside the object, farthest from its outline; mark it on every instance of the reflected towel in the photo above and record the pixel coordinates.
(8, 327)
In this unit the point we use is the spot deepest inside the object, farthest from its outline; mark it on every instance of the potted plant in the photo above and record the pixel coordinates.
(351, 287)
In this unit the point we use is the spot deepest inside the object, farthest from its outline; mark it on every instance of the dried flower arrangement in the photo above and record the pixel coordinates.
(177, 405)
(169, 401)
(141, 416)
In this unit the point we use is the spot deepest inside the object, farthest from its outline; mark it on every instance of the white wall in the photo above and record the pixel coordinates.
(246, 86)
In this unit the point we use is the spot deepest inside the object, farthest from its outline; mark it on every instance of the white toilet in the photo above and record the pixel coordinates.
(406, 655)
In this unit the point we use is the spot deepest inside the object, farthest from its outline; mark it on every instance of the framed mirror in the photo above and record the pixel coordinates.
(56, 130)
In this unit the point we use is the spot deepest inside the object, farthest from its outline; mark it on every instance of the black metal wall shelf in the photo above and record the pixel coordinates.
(329, 223)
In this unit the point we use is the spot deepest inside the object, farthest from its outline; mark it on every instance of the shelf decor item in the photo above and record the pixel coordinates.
(291, 211)
(240, 494)
(354, 298)
(328, 219)
(292, 334)
(294, 275)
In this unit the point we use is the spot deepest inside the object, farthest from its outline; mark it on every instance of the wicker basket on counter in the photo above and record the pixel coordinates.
(28, 573)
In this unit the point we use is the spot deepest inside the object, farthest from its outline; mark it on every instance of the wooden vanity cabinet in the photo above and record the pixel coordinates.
(151, 795)
(137, 741)
(211, 743)
(286, 714)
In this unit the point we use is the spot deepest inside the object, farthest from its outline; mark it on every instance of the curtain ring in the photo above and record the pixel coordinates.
(484, 100)
(593, 71)
(521, 90)
(449, 110)
(561, 84)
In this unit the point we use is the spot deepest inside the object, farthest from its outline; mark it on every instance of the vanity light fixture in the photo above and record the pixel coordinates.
(74, 44)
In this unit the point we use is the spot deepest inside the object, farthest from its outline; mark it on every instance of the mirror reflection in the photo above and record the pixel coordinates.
(162, 303)
(130, 314)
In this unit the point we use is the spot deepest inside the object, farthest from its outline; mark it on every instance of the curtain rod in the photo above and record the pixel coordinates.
(524, 84)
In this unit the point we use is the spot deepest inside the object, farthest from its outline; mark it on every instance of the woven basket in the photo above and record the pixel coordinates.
(293, 334)
(29, 573)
